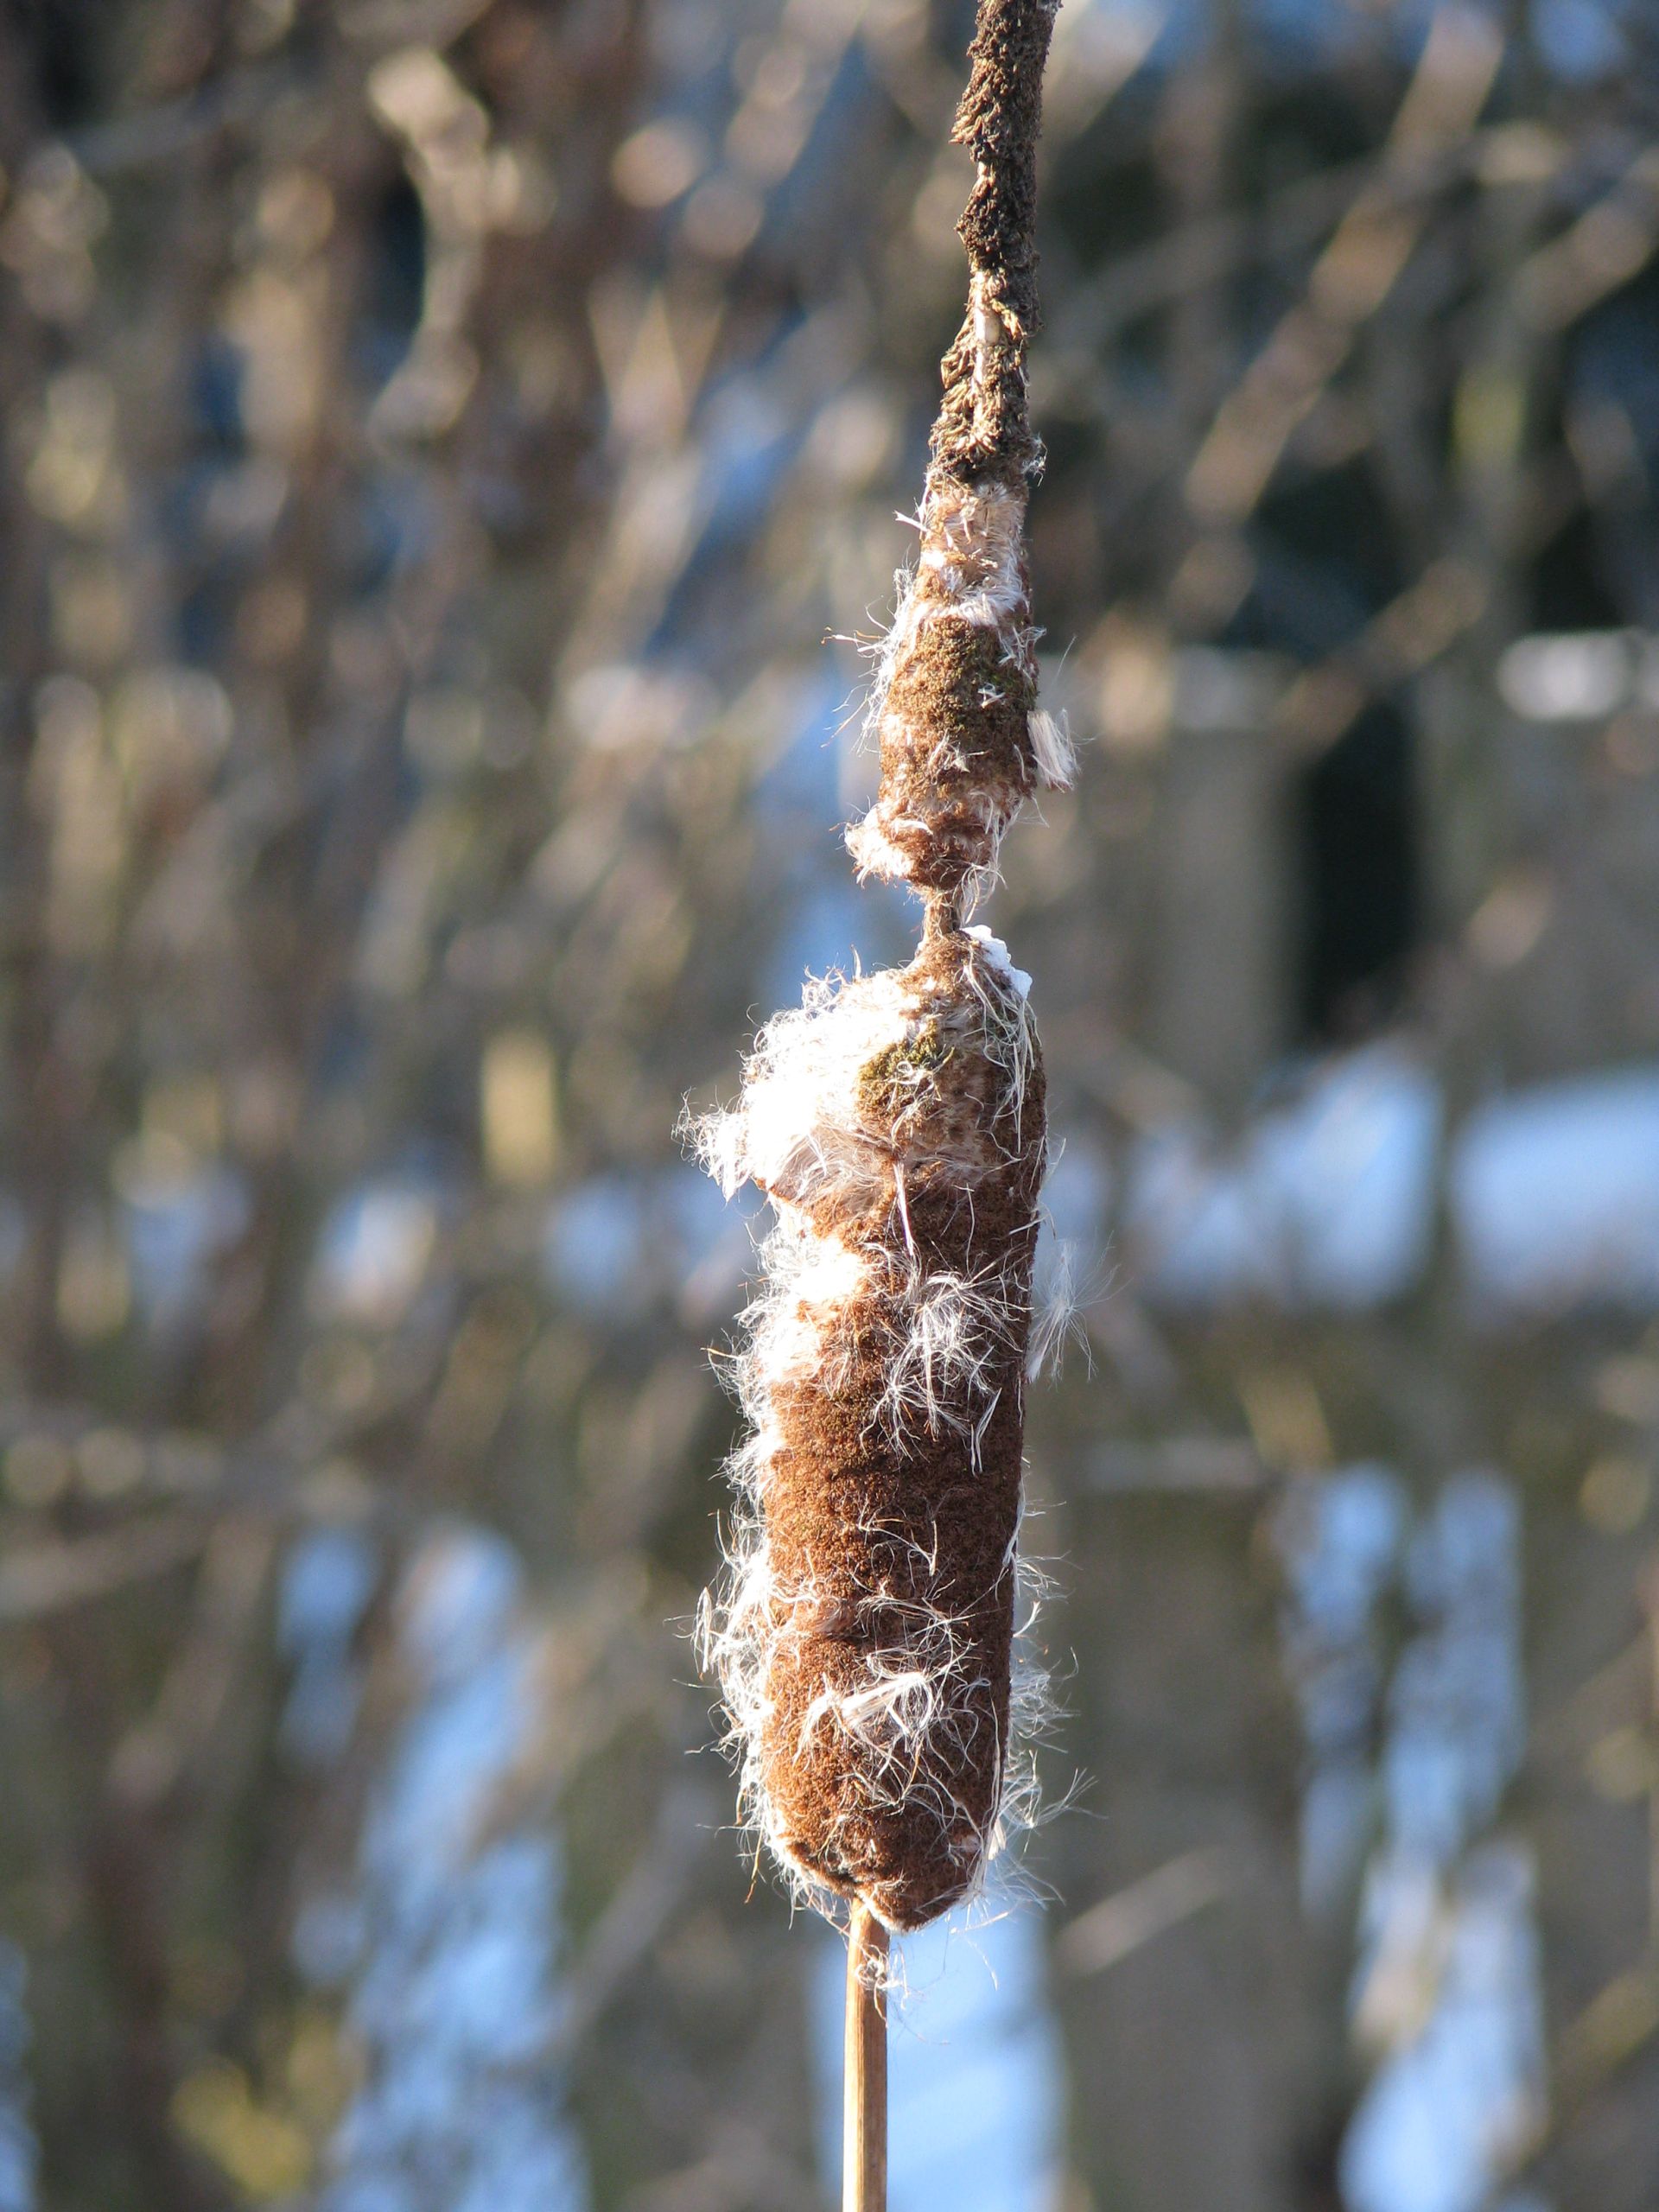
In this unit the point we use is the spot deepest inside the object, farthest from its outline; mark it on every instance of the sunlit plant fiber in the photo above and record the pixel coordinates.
(863, 1637)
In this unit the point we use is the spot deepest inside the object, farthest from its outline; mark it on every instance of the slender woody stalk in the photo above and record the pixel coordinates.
(896, 1122)
(864, 2117)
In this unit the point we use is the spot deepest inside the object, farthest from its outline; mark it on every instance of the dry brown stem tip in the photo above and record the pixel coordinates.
(984, 425)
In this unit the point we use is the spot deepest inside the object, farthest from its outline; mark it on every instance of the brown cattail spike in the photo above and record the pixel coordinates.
(896, 1123)
(984, 426)
(864, 1638)
(953, 705)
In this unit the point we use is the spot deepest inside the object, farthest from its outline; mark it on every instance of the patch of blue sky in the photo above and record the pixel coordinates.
(594, 1250)
(19, 2151)
(1297, 29)
(802, 779)
(1340, 1538)
(1446, 1993)
(1070, 1258)
(456, 1991)
(374, 1249)
(1579, 39)
(1576, 40)
(1458, 1702)
(328, 1581)
(977, 2081)
(747, 439)
(176, 1225)
(1451, 2110)
(809, 186)
(826, 929)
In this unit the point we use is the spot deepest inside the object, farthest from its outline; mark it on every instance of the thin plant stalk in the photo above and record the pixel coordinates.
(864, 2117)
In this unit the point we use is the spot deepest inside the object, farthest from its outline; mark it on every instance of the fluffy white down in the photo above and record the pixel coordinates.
(1053, 750)
(971, 567)
(972, 543)
(795, 1129)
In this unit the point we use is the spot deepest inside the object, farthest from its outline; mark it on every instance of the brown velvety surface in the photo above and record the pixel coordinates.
(986, 430)
(955, 749)
(892, 1506)
(956, 744)
(892, 1535)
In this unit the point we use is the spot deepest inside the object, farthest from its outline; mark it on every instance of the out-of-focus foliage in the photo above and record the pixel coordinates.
(440, 437)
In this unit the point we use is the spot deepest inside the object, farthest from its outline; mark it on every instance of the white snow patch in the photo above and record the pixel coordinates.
(1329, 1201)
(1554, 1192)
(1000, 958)
(1569, 676)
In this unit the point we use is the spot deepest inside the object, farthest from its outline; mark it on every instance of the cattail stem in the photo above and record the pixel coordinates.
(864, 2139)
(896, 1122)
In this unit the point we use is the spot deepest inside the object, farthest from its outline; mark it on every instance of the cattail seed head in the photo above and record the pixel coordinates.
(864, 1639)
(864, 1636)
(953, 705)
